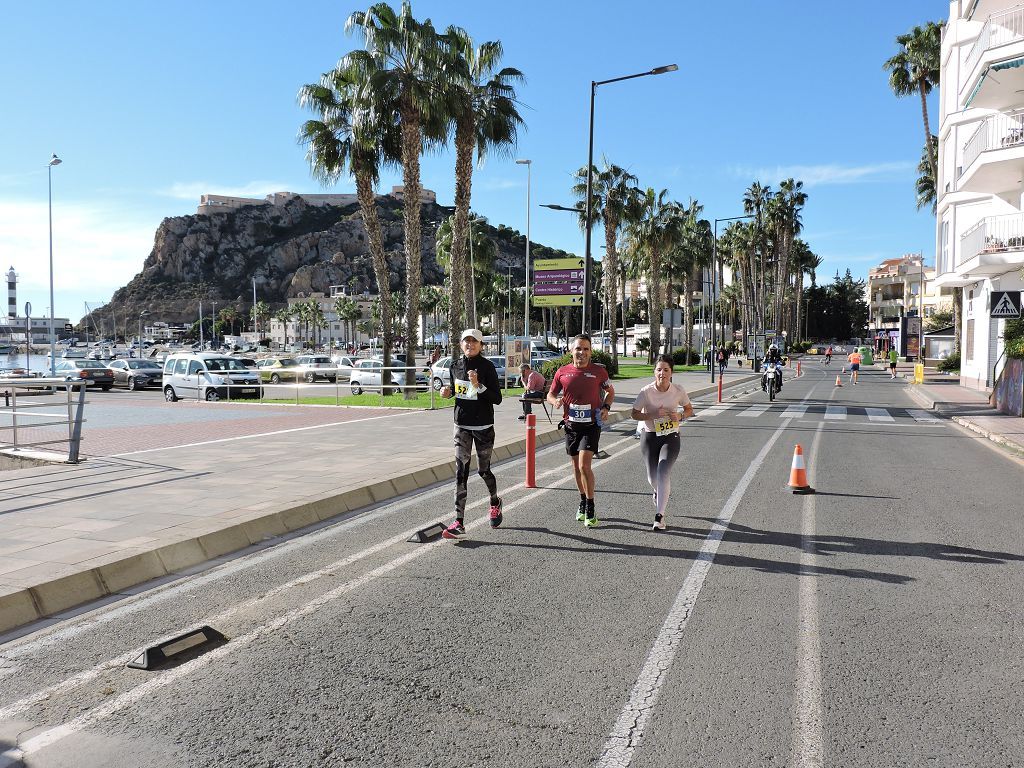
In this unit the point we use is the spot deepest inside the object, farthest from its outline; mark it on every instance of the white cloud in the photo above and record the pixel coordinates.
(192, 190)
(829, 174)
(97, 248)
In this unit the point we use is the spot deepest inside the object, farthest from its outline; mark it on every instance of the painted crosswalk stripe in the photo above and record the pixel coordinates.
(714, 410)
(754, 411)
(835, 412)
(793, 412)
(923, 416)
(878, 414)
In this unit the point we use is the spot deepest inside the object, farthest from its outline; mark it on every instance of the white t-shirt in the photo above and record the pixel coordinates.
(650, 399)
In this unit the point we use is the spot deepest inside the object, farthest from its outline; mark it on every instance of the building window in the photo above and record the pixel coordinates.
(969, 346)
(944, 258)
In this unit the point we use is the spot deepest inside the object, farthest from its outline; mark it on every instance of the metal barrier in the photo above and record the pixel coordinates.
(22, 402)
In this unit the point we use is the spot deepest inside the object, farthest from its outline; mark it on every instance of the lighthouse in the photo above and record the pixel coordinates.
(12, 294)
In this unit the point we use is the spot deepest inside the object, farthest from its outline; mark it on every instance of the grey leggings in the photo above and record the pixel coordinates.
(464, 439)
(659, 453)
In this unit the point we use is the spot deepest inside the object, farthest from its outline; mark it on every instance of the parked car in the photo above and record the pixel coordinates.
(315, 367)
(344, 365)
(278, 369)
(137, 374)
(92, 372)
(499, 367)
(440, 373)
(210, 376)
(368, 374)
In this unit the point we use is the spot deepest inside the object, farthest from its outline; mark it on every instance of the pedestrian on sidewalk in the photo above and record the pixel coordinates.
(723, 359)
(474, 383)
(854, 358)
(657, 408)
(581, 389)
(892, 362)
(534, 386)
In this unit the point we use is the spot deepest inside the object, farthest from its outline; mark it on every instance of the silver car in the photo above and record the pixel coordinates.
(137, 374)
(368, 374)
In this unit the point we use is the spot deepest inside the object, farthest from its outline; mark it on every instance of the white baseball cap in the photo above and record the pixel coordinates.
(472, 332)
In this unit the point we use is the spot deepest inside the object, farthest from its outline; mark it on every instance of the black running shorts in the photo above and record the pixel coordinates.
(581, 437)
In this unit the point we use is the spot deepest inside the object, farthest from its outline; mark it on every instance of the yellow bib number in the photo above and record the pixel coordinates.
(665, 426)
(465, 390)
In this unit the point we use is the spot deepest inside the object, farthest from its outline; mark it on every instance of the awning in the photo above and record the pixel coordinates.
(1010, 64)
(981, 81)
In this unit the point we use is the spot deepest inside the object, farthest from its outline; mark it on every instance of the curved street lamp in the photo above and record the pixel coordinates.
(590, 174)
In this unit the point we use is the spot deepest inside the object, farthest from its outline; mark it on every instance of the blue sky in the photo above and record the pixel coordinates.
(150, 105)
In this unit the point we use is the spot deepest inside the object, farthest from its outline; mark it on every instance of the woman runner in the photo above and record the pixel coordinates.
(658, 406)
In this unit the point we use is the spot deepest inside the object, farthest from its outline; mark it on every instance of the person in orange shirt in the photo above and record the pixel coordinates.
(854, 358)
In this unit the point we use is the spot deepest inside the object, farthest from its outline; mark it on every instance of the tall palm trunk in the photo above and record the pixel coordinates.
(611, 276)
(928, 134)
(655, 303)
(371, 223)
(412, 145)
(623, 309)
(461, 288)
(958, 317)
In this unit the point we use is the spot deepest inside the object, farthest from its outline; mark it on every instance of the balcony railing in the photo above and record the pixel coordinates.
(995, 132)
(999, 29)
(992, 235)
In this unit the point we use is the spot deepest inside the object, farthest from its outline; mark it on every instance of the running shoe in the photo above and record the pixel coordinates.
(495, 514)
(581, 512)
(659, 523)
(591, 520)
(454, 531)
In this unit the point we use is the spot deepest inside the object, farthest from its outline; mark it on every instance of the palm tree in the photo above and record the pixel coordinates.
(926, 179)
(915, 70)
(228, 316)
(348, 311)
(316, 316)
(260, 313)
(485, 117)
(404, 55)
(654, 230)
(354, 134)
(284, 316)
(614, 195)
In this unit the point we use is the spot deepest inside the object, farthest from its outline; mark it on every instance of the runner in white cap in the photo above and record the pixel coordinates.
(474, 383)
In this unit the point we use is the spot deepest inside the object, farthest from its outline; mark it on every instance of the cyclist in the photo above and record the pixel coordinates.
(773, 356)
(828, 355)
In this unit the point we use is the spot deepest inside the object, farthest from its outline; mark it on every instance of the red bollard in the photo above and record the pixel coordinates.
(798, 369)
(719, 389)
(531, 450)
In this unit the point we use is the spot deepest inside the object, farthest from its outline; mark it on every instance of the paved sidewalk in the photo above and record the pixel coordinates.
(70, 534)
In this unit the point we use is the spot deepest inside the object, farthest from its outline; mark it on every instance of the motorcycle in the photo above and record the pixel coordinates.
(772, 379)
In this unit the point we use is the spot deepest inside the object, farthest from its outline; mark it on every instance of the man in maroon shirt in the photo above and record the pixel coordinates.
(582, 389)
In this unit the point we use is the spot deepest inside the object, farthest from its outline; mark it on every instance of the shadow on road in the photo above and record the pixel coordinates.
(594, 545)
(832, 545)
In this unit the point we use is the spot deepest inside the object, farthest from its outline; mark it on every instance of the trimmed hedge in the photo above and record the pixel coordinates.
(951, 364)
(1013, 335)
(550, 367)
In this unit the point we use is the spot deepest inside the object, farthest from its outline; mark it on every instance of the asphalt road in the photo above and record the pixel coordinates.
(875, 623)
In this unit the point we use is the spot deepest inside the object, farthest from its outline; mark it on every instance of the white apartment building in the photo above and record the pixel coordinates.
(980, 217)
(337, 330)
(893, 293)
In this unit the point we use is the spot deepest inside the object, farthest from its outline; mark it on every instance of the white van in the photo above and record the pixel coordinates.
(208, 376)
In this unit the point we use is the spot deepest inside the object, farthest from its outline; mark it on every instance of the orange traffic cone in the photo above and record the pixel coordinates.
(838, 382)
(798, 473)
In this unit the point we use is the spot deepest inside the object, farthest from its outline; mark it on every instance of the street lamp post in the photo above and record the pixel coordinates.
(526, 279)
(142, 314)
(714, 290)
(54, 160)
(590, 176)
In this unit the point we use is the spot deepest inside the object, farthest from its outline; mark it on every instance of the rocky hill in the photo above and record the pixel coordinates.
(290, 249)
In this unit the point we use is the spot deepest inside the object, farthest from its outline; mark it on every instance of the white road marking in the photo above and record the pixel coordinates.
(808, 732)
(754, 411)
(835, 412)
(261, 434)
(793, 412)
(15, 755)
(628, 731)
(878, 414)
(923, 416)
(716, 409)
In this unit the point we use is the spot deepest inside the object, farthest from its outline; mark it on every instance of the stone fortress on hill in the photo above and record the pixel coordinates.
(209, 204)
